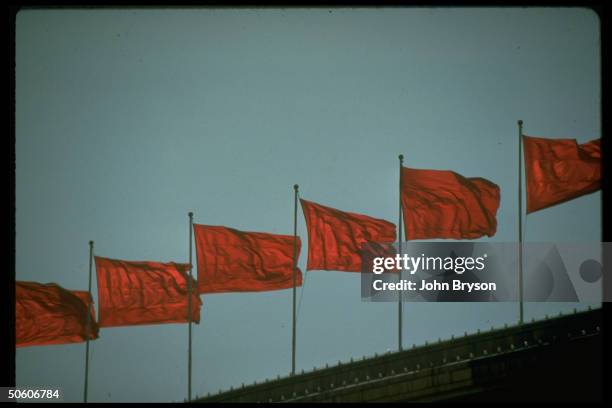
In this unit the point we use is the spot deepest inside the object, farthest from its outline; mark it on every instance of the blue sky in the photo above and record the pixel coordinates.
(127, 119)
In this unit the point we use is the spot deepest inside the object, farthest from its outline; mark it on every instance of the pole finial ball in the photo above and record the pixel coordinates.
(295, 187)
(401, 157)
(520, 122)
(90, 243)
(191, 213)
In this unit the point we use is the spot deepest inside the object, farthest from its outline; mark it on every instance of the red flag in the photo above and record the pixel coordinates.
(49, 314)
(335, 237)
(86, 298)
(558, 170)
(138, 292)
(444, 204)
(237, 261)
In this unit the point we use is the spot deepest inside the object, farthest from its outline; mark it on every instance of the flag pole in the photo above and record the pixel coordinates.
(295, 198)
(520, 222)
(189, 306)
(88, 332)
(399, 226)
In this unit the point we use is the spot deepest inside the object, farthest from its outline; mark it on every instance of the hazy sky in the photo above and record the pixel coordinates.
(128, 119)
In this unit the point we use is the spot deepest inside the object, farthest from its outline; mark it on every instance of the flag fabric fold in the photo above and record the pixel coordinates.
(144, 292)
(558, 170)
(230, 260)
(49, 314)
(335, 238)
(444, 204)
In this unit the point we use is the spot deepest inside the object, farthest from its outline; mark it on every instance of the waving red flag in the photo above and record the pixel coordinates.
(135, 293)
(444, 204)
(335, 237)
(49, 314)
(558, 170)
(237, 261)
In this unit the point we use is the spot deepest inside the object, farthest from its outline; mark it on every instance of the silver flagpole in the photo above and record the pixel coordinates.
(295, 198)
(189, 307)
(88, 332)
(399, 226)
(520, 222)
